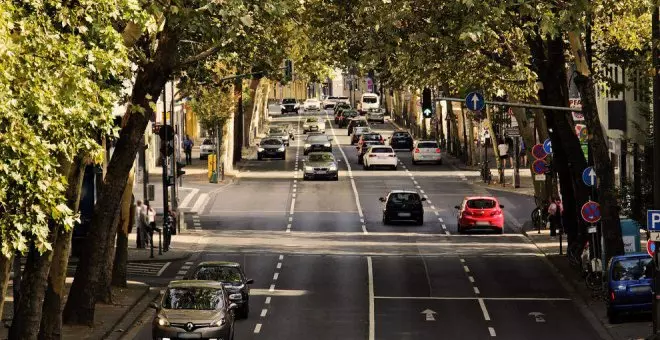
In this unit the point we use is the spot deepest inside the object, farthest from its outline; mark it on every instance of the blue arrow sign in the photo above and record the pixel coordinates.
(547, 146)
(475, 101)
(589, 176)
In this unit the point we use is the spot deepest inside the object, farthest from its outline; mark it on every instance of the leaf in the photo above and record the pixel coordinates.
(247, 20)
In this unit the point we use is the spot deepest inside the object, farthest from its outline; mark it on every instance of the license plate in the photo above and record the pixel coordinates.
(483, 223)
(404, 214)
(640, 289)
(189, 335)
(321, 172)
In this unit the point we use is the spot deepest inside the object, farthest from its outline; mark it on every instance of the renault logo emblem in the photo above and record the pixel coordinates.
(189, 326)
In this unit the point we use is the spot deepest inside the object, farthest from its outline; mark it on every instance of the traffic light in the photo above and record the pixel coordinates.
(179, 171)
(427, 103)
(288, 70)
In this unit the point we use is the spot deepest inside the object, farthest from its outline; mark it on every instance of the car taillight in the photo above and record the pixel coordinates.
(417, 150)
(496, 212)
(437, 150)
(467, 212)
(612, 296)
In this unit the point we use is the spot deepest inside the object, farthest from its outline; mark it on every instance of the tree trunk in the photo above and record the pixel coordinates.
(493, 139)
(104, 288)
(609, 206)
(238, 120)
(149, 83)
(252, 106)
(51, 319)
(5, 269)
(127, 214)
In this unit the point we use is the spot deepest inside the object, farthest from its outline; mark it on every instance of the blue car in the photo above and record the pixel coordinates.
(629, 280)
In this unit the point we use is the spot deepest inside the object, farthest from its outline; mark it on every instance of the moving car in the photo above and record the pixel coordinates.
(363, 148)
(194, 309)
(321, 165)
(359, 121)
(401, 140)
(629, 285)
(368, 101)
(314, 124)
(403, 205)
(271, 147)
(341, 105)
(380, 155)
(281, 133)
(346, 116)
(370, 137)
(357, 132)
(480, 212)
(318, 142)
(232, 277)
(427, 151)
(290, 105)
(312, 104)
(207, 148)
(376, 114)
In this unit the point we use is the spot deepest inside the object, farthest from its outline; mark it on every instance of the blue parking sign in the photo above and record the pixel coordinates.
(653, 220)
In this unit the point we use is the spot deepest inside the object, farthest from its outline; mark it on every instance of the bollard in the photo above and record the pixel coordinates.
(160, 240)
(151, 237)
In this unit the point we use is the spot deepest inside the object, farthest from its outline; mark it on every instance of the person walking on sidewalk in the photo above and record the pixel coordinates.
(523, 153)
(150, 225)
(139, 224)
(554, 215)
(187, 148)
(503, 148)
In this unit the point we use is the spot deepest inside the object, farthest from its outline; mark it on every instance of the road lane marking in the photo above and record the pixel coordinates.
(462, 260)
(372, 313)
(364, 229)
(467, 270)
(281, 257)
(188, 198)
(447, 232)
(422, 191)
(471, 279)
(288, 230)
(470, 298)
(290, 219)
(272, 288)
(426, 196)
(476, 290)
(279, 265)
(432, 207)
(418, 187)
(436, 213)
(483, 309)
(160, 272)
(293, 204)
(263, 312)
(257, 328)
(444, 226)
(201, 200)
(441, 219)
(426, 271)
(276, 276)
(491, 330)
(415, 183)
(268, 300)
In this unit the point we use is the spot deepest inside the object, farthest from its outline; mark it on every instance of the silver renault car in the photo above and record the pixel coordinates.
(321, 165)
(194, 309)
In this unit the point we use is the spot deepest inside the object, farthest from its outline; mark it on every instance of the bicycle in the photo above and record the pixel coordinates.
(539, 214)
(486, 175)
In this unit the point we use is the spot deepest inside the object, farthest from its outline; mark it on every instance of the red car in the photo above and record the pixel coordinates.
(480, 212)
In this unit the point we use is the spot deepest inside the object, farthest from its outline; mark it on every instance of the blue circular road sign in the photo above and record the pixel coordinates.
(589, 176)
(547, 146)
(475, 101)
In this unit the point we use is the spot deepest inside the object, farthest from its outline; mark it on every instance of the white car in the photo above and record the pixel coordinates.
(376, 115)
(380, 155)
(207, 148)
(312, 105)
(426, 151)
(314, 124)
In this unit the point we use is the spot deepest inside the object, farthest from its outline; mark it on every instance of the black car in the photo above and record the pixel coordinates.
(232, 277)
(317, 143)
(403, 205)
(401, 140)
(356, 122)
(341, 105)
(362, 149)
(346, 116)
(290, 105)
(271, 148)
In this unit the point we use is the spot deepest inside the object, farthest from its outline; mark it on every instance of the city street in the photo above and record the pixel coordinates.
(326, 267)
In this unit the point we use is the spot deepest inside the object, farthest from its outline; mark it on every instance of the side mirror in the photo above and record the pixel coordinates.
(457, 207)
(233, 306)
(153, 305)
(382, 199)
(501, 206)
(249, 281)
(423, 199)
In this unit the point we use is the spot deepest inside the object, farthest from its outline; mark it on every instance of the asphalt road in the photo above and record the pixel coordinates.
(325, 266)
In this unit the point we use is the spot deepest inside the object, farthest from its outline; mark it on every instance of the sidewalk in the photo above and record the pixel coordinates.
(635, 327)
(526, 185)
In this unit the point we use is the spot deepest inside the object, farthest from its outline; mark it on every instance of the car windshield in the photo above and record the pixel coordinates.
(370, 136)
(632, 269)
(288, 101)
(275, 131)
(350, 113)
(481, 204)
(370, 100)
(427, 145)
(321, 157)
(271, 142)
(361, 130)
(404, 197)
(207, 142)
(312, 120)
(317, 138)
(382, 150)
(193, 298)
(218, 273)
(400, 135)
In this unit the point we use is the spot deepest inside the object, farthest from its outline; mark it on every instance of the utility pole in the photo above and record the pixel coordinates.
(166, 204)
(173, 190)
(655, 43)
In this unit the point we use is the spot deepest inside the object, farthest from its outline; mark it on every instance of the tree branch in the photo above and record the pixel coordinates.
(201, 56)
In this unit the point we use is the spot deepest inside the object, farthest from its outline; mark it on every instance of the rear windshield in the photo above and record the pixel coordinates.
(371, 137)
(370, 100)
(288, 101)
(404, 197)
(360, 122)
(427, 145)
(207, 142)
(632, 269)
(381, 150)
(271, 142)
(400, 135)
(361, 129)
(312, 120)
(481, 204)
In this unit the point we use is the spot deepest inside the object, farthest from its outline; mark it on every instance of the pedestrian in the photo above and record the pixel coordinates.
(187, 148)
(150, 223)
(503, 148)
(523, 153)
(138, 224)
(554, 215)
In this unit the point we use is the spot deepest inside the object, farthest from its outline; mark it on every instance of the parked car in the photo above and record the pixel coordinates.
(345, 117)
(380, 156)
(319, 142)
(207, 148)
(403, 205)
(194, 308)
(629, 285)
(354, 122)
(312, 104)
(232, 277)
(314, 124)
(401, 140)
(377, 115)
(290, 105)
(321, 165)
(357, 132)
(363, 148)
(427, 151)
(271, 148)
(480, 212)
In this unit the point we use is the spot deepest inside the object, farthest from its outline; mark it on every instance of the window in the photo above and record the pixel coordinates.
(271, 142)
(404, 197)
(376, 137)
(193, 298)
(321, 157)
(219, 273)
(370, 100)
(382, 150)
(481, 204)
(428, 145)
(207, 142)
(632, 269)
(288, 101)
(312, 120)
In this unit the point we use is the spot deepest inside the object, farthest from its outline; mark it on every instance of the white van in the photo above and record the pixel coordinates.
(369, 101)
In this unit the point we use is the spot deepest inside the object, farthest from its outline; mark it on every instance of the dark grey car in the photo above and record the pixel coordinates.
(321, 165)
(271, 148)
(233, 279)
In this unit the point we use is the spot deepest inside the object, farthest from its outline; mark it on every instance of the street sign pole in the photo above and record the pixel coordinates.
(166, 203)
(516, 170)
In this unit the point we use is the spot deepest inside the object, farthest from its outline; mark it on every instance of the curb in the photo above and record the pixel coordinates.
(128, 318)
(155, 259)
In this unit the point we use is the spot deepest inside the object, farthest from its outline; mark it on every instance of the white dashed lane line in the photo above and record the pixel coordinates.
(482, 304)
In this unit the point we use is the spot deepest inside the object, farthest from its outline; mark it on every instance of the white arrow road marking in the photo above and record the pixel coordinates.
(429, 314)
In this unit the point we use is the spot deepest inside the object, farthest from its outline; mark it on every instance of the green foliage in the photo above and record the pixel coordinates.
(61, 65)
(212, 106)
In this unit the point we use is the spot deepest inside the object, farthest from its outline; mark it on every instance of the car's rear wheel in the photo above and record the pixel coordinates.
(460, 229)
(284, 157)
(420, 220)
(440, 162)
(259, 157)
(414, 162)
(244, 312)
(613, 317)
(386, 220)
(500, 231)
(394, 167)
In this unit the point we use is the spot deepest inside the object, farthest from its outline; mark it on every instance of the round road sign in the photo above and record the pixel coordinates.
(591, 212)
(540, 167)
(538, 152)
(650, 247)
(547, 146)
